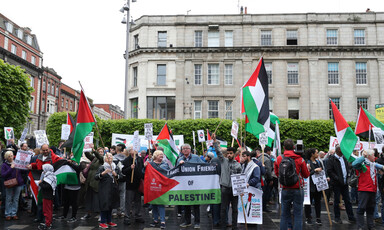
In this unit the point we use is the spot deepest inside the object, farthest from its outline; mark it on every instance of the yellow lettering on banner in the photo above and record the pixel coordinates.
(380, 114)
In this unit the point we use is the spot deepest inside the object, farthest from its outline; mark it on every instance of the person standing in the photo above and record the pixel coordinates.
(47, 184)
(229, 166)
(337, 169)
(118, 159)
(251, 170)
(268, 178)
(294, 193)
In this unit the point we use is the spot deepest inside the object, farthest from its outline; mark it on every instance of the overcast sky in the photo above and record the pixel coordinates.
(84, 40)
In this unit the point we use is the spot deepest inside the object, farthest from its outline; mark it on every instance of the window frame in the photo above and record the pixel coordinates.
(266, 38)
(359, 40)
(198, 38)
(161, 41)
(292, 75)
(228, 109)
(361, 75)
(228, 74)
(212, 110)
(294, 39)
(198, 74)
(269, 69)
(197, 110)
(332, 40)
(160, 76)
(336, 101)
(228, 40)
(333, 73)
(211, 74)
(213, 41)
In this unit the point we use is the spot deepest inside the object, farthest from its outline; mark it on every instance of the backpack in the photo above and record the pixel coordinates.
(287, 172)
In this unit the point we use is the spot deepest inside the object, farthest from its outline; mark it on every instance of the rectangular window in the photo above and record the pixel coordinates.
(44, 86)
(268, 68)
(197, 110)
(331, 37)
(198, 38)
(293, 73)
(62, 102)
(228, 74)
(293, 108)
(13, 49)
(70, 106)
(49, 87)
(136, 41)
(333, 73)
(161, 75)
(213, 74)
(161, 108)
(31, 104)
(66, 104)
(361, 73)
(292, 37)
(29, 39)
(228, 110)
(162, 39)
(134, 108)
(336, 101)
(43, 105)
(266, 37)
(135, 76)
(213, 39)
(270, 100)
(32, 79)
(228, 38)
(359, 37)
(24, 54)
(57, 91)
(363, 102)
(53, 89)
(33, 60)
(198, 80)
(20, 33)
(213, 109)
(9, 27)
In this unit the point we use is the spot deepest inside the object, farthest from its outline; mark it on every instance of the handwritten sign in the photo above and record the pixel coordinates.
(235, 129)
(320, 180)
(41, 138)
(263, 138)
(239, 185)
(136, 141)
(148, 131)
(22, 159)
(88, 141)
(65, 131)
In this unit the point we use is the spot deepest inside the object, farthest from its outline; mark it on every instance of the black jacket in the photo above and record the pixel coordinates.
(335, 172)
(46, 191)
(312, 168)
(138, 172)
(108, 190)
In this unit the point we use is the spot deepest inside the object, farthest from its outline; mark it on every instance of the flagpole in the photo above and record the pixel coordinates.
(97, 127)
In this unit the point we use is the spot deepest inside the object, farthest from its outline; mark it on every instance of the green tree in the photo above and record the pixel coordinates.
(15, 95)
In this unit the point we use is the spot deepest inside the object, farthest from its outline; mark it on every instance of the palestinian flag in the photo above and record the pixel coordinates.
(277, 142)
(34, 178)
(223, 143)
(165, 140)
(84, 124)
(254, 101)
(64, 172)
(70, 121)
(344, 133)
(365, 123)
(271, 131)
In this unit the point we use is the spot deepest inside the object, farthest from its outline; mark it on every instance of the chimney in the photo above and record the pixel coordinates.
(241, 10)
(245, 10)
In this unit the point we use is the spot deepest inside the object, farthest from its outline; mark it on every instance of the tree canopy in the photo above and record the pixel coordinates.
(15, 95)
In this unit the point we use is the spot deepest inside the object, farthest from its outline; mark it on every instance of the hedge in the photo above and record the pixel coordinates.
(314, 133)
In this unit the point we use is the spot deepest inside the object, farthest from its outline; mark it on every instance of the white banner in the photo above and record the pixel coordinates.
(307, 194)
(65, 131)
(88, 141)
(201, 135)
(253, 207)
(8, 133)
(128, 140)
(239, 185)
(23, 158)
(148, 131)
(41, 138)
(136, 141)
(320, 180)
(235, 129)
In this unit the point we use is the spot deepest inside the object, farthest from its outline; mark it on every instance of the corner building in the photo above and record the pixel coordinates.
(193, 66)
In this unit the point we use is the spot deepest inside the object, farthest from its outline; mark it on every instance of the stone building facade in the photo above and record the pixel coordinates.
(193, 66)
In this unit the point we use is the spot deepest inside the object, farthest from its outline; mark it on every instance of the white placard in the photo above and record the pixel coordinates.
(23, 135)
(194, 141)
(88, 141)
(23, 158)
(263, 139)
(320, 180)
(253, 206)
(235, 129)
(8, 133)
(136, 141)
(378, 133)
(148, 131)
(65, 131)
(201, 135)
(307, 196)
(41, 138)
(239, 185)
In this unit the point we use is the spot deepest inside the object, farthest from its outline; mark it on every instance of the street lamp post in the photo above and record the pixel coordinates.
(126, 8)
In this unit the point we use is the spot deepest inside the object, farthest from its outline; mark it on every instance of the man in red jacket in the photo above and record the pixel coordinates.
(46, 157)
(292, 194)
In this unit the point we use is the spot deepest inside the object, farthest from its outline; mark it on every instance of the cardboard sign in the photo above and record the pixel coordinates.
(136, 141)
(65, 131)
(23, 135)
(41, 138)
(23, 158)
(148, 131)
(320, 180)
(235, 129)
(88, 141)
(378, 133)
(253, 206)
(8, 133)
(239, 185)
(200, 135)
(263, 138)
(307, 192)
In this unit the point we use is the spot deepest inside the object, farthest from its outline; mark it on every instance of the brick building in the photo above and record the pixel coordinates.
(114, 110)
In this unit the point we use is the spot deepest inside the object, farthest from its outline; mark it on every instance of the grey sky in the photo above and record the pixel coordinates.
(84, 40)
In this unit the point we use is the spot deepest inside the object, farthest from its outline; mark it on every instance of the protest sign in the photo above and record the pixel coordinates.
(263, 139)
(23, 135)
(22, 159)
(252, 200)
(320, 180)
(128, 140)
(41, 138)
(200, 135)
(378, 133)
(235, 129)
(239, 185)
(65, 131)
(307, 196)
(8, 133)
(88, 141)
(136, 141)
(186, 184)
(148, 131)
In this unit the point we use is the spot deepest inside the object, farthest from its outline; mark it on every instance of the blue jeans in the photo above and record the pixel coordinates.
(215, 213)
(377, 199)
(295, 196)
(106, 217)
(12, 200)
(158, 211)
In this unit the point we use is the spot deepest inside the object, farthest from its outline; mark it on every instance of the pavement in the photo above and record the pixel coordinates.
(270, 221)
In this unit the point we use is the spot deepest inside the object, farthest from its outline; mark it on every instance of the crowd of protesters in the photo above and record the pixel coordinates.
(111, 185)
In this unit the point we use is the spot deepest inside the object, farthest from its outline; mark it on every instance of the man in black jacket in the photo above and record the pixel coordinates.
(337, 170)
